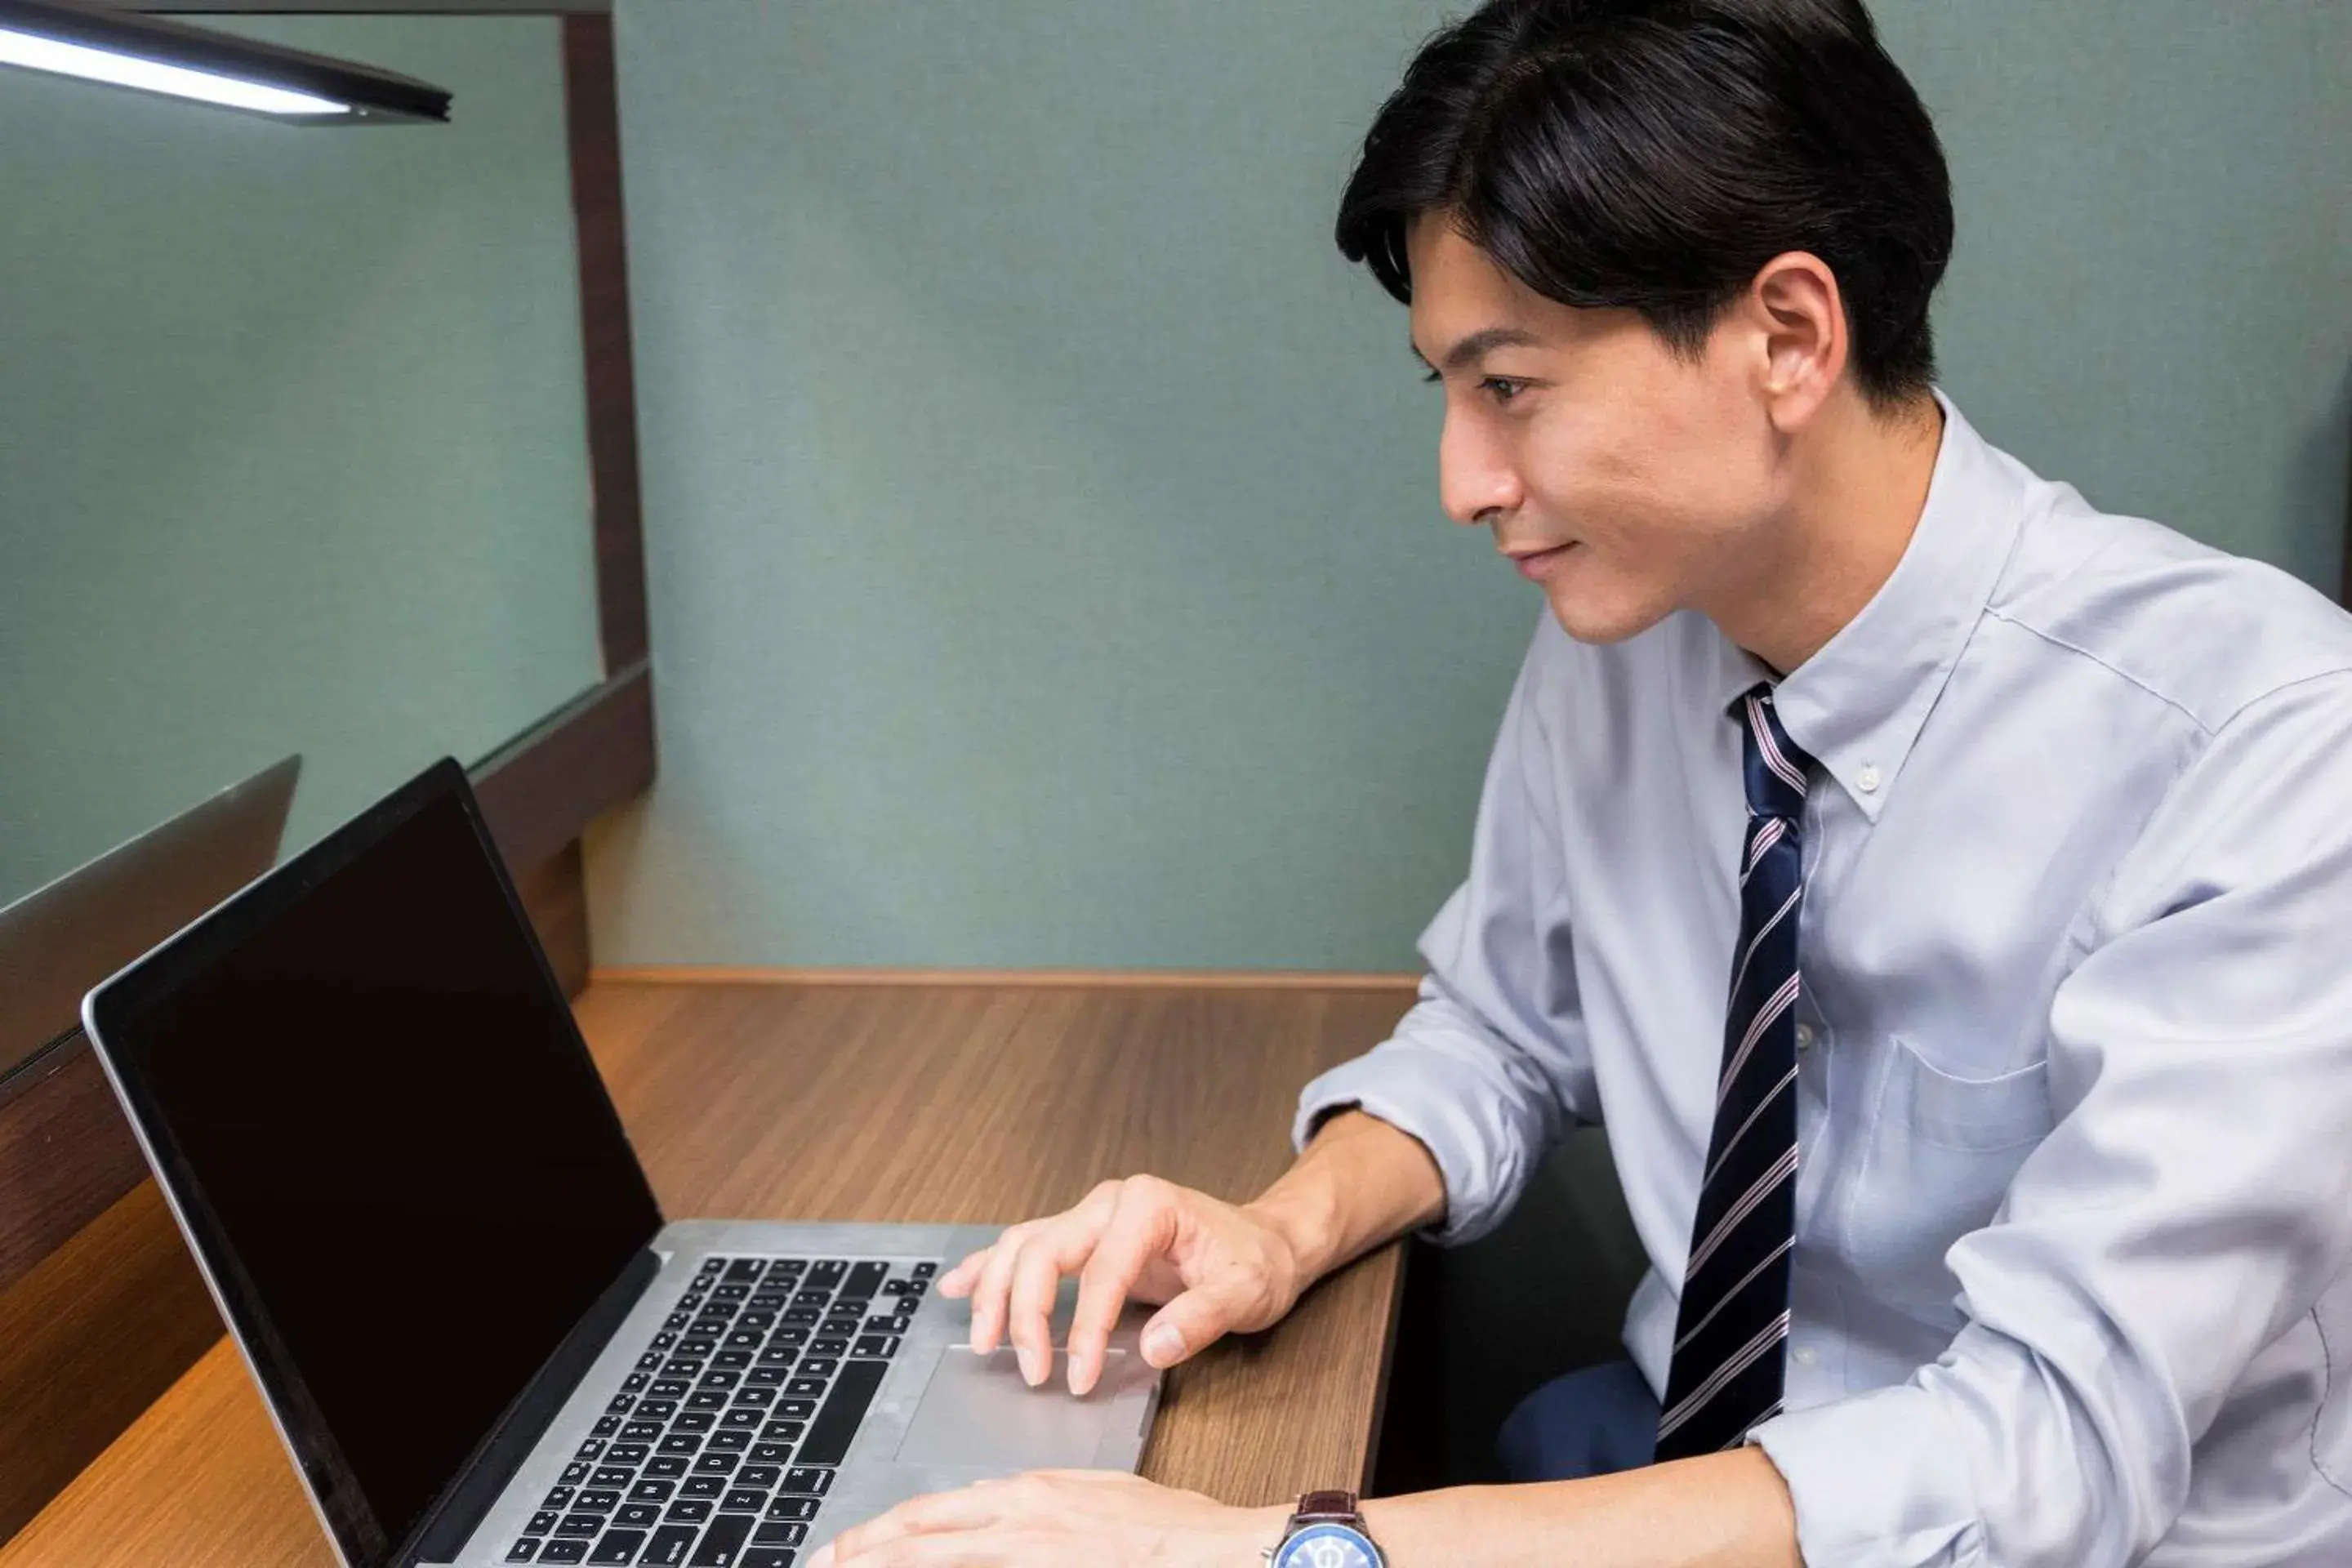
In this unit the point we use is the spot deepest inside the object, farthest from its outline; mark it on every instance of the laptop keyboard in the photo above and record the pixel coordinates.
(721, 1446)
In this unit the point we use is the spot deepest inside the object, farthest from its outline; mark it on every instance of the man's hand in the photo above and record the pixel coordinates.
(1213, 1268)
(1059, 1518)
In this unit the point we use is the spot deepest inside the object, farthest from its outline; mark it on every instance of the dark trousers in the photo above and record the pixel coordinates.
(1587, 1422)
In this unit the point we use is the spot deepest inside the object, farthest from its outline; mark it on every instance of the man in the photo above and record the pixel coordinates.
(1937, 885)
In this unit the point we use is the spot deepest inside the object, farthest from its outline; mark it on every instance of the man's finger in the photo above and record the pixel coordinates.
(1140, 1229)
(959, 1280)
(995, 1280)
(1058, 1250)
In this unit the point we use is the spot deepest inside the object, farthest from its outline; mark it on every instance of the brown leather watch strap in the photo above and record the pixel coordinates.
(1325, 1508)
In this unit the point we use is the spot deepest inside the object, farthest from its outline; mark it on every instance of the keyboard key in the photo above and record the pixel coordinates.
(788, 1266)
(670, 1388)
(626, 1453)
(744, 1269)
(734, 1440)
(721, 1377)
(602, 1499)
(743, 1500)
(765, 1557)
(612, 1476)
(736, 1358)
(667, 1465)
(742, 1417)
(780, 1535)
(688, 1510)
(676, 1321)
(788, 1336)
(707, 1399)
(681, 1443)
(656, 1409)
(765, 1376)
(694, 1421)
(886, 1325)
(722, 1540)
(635, 1383)
(831, 1345)
(865, 1278)
(642, 1431)
(827, 1271)
(734, 1290)
(669, 1547)
(591, 1449)
(759, 1476)
(844, 1327)
(606, 1425)
(683, 1366)
(524, 1551)
(877, 1346)
(696, 1346)
(586, 1524)
(637, 1513)
(541, 1522)
(559, 1497)
(801, 1315)
(924, 1271)
(792, 1507)
(707, 1486)
(565, 1552)
(618, 1546)
(803, 1481)
(818, 1367)
(653, 1491)
(717, 1463)
(829, 1435)
(760, 1398)
(805, 1387)
(778, 1356)
(783, 1431)
(795, 1409)
(770, 1453)
(756, 1322)
(649, 1361)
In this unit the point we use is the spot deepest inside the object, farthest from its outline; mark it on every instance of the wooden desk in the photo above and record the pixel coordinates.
(905, 1103)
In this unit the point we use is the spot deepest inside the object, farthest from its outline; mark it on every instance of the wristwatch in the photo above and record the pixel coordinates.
(1327, 1532)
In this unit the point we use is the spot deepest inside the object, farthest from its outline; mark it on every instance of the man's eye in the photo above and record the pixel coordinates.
(1504, 388)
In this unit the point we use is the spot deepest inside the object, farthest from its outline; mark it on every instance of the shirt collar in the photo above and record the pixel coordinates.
(1857, 705)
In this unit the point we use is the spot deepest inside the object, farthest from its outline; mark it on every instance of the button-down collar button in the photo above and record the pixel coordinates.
(1805, 1036)
(1866, 780)
(1806, 1355)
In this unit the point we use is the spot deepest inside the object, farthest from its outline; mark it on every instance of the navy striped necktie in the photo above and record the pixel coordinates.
(1731, 1334)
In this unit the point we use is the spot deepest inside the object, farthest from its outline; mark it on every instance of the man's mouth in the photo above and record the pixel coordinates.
(1536, 565)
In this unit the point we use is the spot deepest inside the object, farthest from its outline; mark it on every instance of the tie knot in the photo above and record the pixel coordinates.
(1775, 766)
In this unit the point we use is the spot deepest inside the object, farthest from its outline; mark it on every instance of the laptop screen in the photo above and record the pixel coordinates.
(381, 1119)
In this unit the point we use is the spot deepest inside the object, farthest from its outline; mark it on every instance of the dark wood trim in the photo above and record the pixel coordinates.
(593, 118)
(66, 1154)
(581, 761)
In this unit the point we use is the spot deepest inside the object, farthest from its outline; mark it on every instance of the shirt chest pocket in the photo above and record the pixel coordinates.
(1939, 1153)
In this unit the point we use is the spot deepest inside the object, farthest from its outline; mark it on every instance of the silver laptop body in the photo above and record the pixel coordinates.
(363, 1094)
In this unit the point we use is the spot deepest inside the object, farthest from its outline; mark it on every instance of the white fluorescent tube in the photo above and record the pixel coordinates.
(18, 49)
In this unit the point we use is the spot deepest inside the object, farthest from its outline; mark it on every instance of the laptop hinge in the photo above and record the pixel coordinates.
(441, 1533)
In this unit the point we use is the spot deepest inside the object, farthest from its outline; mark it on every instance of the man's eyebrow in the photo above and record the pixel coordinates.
(1480, 343)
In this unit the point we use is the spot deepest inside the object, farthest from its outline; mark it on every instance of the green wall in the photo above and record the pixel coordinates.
(1047, 562)
(292, 449)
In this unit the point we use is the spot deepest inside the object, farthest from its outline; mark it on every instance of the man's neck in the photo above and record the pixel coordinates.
(1860, 487)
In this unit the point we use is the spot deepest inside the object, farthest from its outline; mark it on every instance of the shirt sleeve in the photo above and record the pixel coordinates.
(1490, 1065)
(2190, 1205)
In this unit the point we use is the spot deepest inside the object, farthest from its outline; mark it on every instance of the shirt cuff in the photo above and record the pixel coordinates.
(1414, 1098)
(1878, 1482)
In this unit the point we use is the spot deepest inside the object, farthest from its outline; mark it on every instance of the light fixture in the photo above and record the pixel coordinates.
(74, 37)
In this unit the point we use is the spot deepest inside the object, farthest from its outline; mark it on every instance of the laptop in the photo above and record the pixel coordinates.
(364, 1096)
(62, 938)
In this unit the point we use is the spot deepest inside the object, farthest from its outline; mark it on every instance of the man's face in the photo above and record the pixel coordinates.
(1657, 474)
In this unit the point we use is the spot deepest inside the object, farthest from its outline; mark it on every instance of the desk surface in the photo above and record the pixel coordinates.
(975, 1104)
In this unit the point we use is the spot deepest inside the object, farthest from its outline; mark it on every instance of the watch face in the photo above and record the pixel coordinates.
(1328, 1546)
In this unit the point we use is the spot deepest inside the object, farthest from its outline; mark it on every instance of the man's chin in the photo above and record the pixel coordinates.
(1588, 619)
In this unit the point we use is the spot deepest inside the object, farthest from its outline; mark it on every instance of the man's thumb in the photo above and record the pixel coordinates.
(1188, 1324)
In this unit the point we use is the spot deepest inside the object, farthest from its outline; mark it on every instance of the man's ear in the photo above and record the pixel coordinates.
(1799, 320)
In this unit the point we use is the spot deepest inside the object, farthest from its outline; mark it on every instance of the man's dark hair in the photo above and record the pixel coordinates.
(1655, 154)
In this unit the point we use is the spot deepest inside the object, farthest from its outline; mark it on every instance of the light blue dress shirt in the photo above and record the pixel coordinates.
(2074, 1204)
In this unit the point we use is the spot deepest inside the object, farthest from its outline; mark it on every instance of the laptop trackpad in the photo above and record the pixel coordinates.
(976, 1410)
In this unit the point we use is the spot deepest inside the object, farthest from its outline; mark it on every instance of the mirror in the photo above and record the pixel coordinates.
(293, 449)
